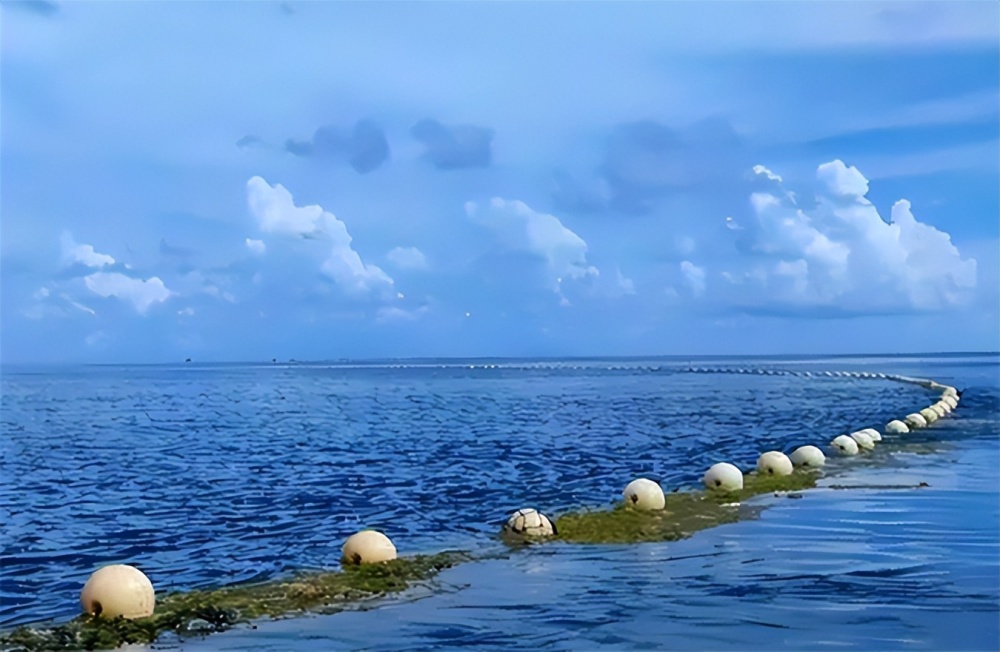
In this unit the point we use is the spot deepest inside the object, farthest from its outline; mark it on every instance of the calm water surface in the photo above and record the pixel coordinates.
(206, 475)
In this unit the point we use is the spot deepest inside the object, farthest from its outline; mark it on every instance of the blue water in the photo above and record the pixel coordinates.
(206, 475)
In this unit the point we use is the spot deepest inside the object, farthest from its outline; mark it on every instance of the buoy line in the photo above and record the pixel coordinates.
(119, 604)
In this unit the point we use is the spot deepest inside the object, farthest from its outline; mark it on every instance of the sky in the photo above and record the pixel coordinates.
(248, 181)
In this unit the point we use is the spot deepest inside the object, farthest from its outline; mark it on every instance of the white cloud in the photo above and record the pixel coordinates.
(541, 234)
(41, 293)
(277, 213)
(142, 294)
(256, 246)
(694, 277)
(407, 258)
(843, 180)
(82, 253)
(763, 171)
(185, 312)
(842, 254)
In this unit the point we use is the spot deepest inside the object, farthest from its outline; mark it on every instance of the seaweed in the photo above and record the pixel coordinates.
(215, 610)
(684, 513)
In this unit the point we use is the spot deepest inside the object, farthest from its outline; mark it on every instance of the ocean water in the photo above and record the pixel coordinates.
(204, 475)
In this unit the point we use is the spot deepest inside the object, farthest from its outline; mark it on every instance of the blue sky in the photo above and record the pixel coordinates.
(248, 181)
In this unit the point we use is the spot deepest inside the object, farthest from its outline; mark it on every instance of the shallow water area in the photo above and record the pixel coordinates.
(205, 476)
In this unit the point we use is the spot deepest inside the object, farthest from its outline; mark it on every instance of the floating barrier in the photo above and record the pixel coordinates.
(120, 607)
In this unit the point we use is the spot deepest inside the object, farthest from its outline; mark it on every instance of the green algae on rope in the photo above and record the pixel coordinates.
(684, 513)
(215, 610)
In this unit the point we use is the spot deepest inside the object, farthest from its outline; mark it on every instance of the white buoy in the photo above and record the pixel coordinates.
(845, 445)
(896, 427)
(774, 463)
(724, 477)
(644, 494)
(951, 401)
(808, 456)
(530, 522)
(915, 420)
(874, 434)
(929, 415)
(949, 391)
(943, 408)
(863, 440)
(118, 590)
(367, 547)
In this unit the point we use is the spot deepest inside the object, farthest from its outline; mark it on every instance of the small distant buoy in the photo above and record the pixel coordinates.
(915, 421)
(929, 415)
(808, 456)
(530, 522)
(118, 590)
(724, 477)
(874, 434)
(367, 547)
(644, 494)
(896, 427)
(845, 445)
(774, 463)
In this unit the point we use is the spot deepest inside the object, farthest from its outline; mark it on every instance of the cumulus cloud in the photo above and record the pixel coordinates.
(407, 258)
(142, 294)
(83, 254)
(540, 234)
(454, 147)
(841, 254)
(256, 246)
(276, 212)
(365, 148)
(694, 277)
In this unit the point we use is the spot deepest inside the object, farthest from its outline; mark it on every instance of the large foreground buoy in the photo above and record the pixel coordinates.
(874, 434)
(951, 401)
(774, 463)
(724, 477)
(896, 427)
(929, 415)
(808, 456)
(367, 547)
(530, 522)
(915, 421)
(644, 494)
(118, 590)
(863, 440)
(845, 445)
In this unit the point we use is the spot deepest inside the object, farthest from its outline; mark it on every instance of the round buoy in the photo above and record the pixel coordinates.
(118, 590)
(874, 434)
(896, 427)
(845, 445)
(943, 409)
(915, 420)
(644, 494)
(863, 440)
(724, 477)
(951, 401)
(808, 456)
(367, 547)
(774, 463)
(950, 391)
(929, 415)
(530, 522)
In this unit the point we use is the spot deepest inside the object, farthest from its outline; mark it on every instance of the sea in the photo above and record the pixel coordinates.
(205, 475)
